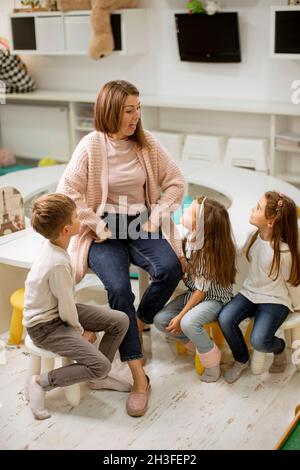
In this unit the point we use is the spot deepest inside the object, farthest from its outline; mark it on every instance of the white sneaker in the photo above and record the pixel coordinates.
(110, 383)
(37, 400)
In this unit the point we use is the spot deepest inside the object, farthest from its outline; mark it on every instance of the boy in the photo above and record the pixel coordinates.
(53, 320)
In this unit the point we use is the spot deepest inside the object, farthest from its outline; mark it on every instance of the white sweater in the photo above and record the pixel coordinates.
(259, 287)
(49, 289)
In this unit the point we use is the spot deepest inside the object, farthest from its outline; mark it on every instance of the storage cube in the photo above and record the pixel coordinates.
(78, 33)
(49, 32)
(204, 147)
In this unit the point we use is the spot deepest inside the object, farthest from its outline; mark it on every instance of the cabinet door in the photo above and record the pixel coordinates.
(49, 33)
(34, 131)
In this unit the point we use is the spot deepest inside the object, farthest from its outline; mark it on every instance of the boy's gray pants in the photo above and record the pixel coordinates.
(91, 363)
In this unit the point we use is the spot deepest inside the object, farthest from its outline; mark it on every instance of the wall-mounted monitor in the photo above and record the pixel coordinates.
(208, 38)
(285, 32)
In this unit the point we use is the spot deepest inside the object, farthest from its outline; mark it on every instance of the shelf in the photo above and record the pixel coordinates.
(289, 177)
(70, 33)
(281, 148)
(180, 102)
(84, 129)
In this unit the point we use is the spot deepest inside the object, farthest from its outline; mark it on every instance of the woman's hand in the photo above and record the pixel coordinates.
(106, 234)
(90, 336)
(150, 227)
(174, 325)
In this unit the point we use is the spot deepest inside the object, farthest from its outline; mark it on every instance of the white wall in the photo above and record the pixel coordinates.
(161, 72)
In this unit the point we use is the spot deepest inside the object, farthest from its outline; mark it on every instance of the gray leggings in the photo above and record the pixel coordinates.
(91, 363)
(192, 324)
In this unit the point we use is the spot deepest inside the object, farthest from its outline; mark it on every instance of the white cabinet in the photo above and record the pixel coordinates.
(35, 132)
(70, 33)
(49, 32)
(285, 148)
(78, 33)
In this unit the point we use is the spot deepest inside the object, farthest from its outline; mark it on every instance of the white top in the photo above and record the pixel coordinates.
(259, 287)
(49, 289)
(126, 178)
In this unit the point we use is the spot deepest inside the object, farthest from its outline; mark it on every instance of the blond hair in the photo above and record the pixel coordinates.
(108, 110)
(50, 213)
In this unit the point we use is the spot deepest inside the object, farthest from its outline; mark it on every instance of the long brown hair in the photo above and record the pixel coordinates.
(283, 212)
(217, 255)
(108, 109)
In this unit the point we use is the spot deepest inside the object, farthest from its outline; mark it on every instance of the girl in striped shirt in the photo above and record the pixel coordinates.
(209, 272)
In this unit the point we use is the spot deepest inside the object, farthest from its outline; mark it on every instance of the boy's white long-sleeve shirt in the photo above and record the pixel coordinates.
(49, 289)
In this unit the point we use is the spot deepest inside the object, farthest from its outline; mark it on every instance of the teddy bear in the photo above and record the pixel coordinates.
(102, 43)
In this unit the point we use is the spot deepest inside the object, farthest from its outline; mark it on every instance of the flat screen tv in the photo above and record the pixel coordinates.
(208, 38)
(287, 32)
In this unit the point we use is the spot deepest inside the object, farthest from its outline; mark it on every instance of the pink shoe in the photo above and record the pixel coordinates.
(137, 402)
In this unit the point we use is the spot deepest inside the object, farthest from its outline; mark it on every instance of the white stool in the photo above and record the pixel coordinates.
(208, 148)
(291, 328)
(42, 360)
(247, 153)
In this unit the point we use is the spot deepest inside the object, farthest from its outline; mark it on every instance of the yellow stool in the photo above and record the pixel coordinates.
(16, 327)
(214, 331)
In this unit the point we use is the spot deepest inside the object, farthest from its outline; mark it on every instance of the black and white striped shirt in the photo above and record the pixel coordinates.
(213, 290)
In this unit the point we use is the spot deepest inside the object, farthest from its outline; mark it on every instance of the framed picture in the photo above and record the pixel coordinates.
(12, 216)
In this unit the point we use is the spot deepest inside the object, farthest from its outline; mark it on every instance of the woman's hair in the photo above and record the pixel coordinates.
(108, 109)
(51, 213)
(283, 212)
(215, 260)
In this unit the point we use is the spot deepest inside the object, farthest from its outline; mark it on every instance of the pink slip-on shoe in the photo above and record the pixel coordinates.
(137, 402)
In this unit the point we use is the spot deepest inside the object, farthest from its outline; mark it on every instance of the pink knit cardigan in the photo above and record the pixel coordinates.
(85, 180)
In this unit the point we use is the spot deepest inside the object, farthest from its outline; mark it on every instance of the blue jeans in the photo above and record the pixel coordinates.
(110, 262)
(192, 324)
(267, 320)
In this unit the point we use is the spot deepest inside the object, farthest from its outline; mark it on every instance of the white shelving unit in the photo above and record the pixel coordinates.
(57, 33)
(230, 118)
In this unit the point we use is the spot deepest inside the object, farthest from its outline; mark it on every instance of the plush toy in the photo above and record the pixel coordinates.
(102, 43)
(212, 7)
(7, 158)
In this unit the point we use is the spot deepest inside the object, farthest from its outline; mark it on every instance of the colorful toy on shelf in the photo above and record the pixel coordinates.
(47, 161)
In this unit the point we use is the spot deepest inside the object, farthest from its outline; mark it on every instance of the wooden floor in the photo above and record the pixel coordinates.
(183, 412)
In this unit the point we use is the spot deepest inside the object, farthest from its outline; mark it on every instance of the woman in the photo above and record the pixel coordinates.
(125, 186)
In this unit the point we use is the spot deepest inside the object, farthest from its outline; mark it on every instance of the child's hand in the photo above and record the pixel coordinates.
(184, 264)
(90, 336)
(174, 325)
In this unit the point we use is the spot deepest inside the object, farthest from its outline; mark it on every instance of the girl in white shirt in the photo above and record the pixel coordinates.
(274, 266)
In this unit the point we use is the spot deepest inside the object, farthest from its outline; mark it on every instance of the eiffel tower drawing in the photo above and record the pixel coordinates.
(7, 225)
